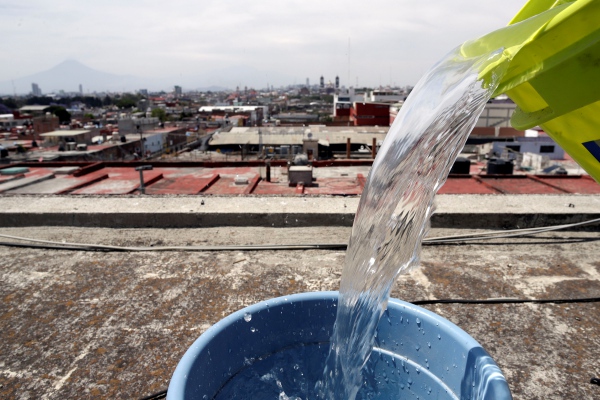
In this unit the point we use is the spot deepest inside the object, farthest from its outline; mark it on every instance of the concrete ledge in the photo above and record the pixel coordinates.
(453, 211)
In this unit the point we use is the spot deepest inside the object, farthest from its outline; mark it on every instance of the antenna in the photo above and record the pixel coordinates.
(349, 61)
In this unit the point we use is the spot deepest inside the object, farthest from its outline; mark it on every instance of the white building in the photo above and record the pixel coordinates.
(497, 114)
(257, 113)
(345, 98)
(7, 121)
(385, 96)
(542, 145)
(153, 141)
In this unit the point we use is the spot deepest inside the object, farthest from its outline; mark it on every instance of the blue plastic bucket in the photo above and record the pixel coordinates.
(280, 345)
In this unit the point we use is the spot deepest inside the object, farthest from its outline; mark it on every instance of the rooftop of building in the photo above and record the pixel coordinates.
(65, 133)
(91, 322)
(114, 324)
(217, 177)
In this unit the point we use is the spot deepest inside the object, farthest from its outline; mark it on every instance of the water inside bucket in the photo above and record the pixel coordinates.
(279, 353)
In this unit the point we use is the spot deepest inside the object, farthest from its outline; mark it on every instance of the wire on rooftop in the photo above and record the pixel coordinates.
(49, 244)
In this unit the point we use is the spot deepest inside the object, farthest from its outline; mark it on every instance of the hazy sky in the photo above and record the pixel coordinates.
(390, 41)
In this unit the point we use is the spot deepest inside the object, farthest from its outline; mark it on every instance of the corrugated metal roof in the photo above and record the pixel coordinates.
(74, 132)
(33, 108)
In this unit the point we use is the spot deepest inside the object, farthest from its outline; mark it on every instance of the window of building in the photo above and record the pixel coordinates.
(546, 149)
(514, 147)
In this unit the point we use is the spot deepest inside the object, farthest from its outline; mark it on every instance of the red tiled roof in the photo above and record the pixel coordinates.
(220, 179)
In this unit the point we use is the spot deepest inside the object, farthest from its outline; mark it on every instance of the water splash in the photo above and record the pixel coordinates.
(396, 204)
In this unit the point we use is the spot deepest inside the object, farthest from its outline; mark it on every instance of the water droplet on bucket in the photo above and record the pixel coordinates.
(253, 329)
(439, 336)
(418, 322)
(247, 317)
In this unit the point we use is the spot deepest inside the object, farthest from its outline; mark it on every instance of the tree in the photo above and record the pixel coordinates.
(160, 114)
(91, 101)
(42, 101)
(63, 115)
(126, 102)
(10, 103)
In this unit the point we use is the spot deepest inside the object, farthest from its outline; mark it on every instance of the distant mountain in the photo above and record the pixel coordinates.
(67, 76)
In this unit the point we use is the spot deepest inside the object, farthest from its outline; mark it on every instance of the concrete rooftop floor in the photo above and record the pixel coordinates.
(77, 324)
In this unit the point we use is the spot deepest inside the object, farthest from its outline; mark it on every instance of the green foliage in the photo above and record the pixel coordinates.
(41, 100)
(89, 101)
(160, 114)
(63, 115)
(10, 103)
(126, 103)
(128, 100)
(88, 115)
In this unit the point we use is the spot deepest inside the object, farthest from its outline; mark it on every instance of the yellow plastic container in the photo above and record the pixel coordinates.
(551, 58)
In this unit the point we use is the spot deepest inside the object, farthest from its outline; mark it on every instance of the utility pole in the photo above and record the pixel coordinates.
(139, 129)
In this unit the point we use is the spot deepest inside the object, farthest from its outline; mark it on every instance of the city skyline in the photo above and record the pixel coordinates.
(243, 44)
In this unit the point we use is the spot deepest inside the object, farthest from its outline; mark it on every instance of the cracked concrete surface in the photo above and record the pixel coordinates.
(77, 324)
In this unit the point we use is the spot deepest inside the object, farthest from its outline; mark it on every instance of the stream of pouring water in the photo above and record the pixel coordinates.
(396, 205)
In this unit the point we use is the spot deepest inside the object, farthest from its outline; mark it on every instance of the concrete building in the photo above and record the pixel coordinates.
(296, 118)
(136, 125)
(34, 110)
(323, 141)
(385, 96)
(343, 99)
(256, 113)
(497, 113)
(45, 123)
(542, 145)
(373, 114)
(152, 142)
(69, 139)
(7, 122)
(35, 89)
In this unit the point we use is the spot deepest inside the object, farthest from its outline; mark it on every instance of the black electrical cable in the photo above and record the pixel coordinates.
(155, 396)
(595, 381)
(506, 301)
(314, 246)
(457, 239)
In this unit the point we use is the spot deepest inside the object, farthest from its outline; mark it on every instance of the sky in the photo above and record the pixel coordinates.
(246, 43)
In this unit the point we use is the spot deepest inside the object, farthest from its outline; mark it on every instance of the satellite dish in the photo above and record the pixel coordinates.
(310, 135)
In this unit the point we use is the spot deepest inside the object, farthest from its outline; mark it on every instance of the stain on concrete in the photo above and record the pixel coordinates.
(79, 324)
